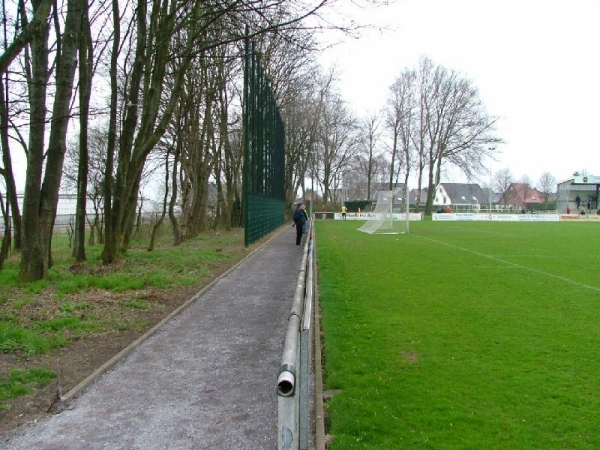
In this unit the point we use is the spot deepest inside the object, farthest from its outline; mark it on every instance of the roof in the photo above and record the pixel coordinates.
(582, 183)
(495, 197)
(422, 198)
(522, 194)
(460, 193)
(376, 187)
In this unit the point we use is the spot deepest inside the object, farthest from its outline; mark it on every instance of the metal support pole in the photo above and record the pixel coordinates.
(490, 193)
(407, 199)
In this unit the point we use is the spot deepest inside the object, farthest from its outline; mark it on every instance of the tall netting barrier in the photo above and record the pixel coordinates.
(264, 153)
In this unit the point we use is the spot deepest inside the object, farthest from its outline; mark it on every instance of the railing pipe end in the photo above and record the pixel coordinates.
(286, 382)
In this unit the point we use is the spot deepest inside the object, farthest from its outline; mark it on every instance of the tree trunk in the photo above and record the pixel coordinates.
(223, 207)
(394, 152)
(174, 222)
(114, 218)
(159, 221)
(199, 141)
(129, 208)
(32, 255)
(9, 178)
(110, 252)
(6, 238)
(85, 84)
(430, 186)
(65, 71)
(138, 139)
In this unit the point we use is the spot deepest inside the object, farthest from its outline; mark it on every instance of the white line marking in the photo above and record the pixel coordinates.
(493, 258)
(470, 230)
(519, 255)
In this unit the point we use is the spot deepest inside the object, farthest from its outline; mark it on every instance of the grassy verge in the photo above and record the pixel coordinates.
(21, 382)
(87, 300)
(461, 336)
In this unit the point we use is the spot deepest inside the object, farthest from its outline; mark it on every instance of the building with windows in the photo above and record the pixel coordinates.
(520, 196)
(460, 197)
(586, 188)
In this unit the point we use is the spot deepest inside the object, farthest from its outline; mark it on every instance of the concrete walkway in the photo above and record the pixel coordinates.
(206, 379)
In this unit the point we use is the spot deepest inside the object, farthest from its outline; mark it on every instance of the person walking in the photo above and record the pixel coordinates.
(300, 221)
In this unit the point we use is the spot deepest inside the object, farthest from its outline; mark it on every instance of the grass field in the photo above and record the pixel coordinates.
(462, 335)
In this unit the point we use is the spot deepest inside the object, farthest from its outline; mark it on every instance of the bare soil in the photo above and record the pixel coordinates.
(88, 351)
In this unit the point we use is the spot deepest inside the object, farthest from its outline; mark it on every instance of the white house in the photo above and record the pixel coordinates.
(460, 196)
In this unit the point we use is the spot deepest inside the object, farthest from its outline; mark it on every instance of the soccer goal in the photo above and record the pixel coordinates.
(384, 219)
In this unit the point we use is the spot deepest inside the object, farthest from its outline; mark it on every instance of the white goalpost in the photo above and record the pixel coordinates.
(385, 220)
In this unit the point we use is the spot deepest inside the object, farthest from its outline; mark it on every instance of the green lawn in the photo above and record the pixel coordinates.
(462, 335)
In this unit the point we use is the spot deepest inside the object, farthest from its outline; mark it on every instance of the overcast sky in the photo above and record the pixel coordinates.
(536, 64)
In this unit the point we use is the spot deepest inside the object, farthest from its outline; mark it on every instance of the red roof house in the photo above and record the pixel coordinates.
(519, 195)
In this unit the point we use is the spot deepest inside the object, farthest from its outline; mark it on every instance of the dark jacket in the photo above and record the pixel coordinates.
(300, 217)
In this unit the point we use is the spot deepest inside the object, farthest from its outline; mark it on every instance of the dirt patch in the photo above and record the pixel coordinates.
(84, 354)
(410, 357)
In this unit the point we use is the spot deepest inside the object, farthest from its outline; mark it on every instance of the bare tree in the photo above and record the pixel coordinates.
(97, 142)
(525, 190)
(501, 183)
(30, 30)
(303, 115)
(85, 91)
(160, 219)
(401, 120)
(149, 43)
(44, 166)
(7, 232)
(201, 26)
(448, 122)
(337, 143)
(12, 213)
(299, 87)
(370, 132)
(355, 181)
(229, 156)
(547, 185)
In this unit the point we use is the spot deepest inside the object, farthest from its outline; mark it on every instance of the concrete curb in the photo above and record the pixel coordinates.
(90, 379)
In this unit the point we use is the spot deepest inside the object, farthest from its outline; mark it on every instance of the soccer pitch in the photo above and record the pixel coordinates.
(461, 335)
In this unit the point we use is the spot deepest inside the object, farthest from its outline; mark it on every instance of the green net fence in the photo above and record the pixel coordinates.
(264, 153)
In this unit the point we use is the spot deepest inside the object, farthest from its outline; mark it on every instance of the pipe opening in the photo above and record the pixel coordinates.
(286, 383)
(285, 388)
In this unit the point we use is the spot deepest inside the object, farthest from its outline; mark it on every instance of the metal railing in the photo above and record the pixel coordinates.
(293, 382)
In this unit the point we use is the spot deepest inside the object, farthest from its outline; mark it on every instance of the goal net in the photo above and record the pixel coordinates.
(389, 216)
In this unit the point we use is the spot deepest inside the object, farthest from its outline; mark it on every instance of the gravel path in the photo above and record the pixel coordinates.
(206, 379)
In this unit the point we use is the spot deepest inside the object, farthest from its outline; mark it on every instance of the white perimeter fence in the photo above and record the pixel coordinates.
(515, 217)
